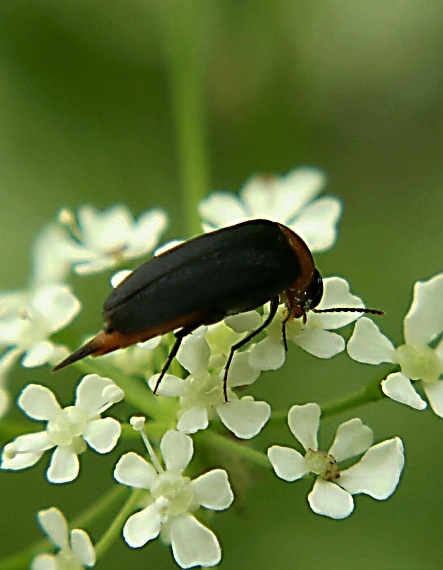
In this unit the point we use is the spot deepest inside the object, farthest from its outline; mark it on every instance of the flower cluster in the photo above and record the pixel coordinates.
(170, 491)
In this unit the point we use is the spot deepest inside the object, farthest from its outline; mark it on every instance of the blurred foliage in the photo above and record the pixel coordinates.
(355, 88)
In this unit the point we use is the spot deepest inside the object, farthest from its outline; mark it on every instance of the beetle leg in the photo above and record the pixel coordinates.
(179, 336)
(243, 341)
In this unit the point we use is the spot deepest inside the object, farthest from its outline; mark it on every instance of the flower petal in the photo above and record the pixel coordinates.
(352, 438)
(194, 352)
(38, 402)
(177, 449)
(193, 544)
(212, 490)
(288, 463)
(134, 471)
(35, 442)
(268, 354)
(245, 417)
(102, 435)
(82, 547)
(337, 294)
(54, 525)
(434, 392)
(220, 209)
(320, 343)
(91, 395)
(171, 386)
(146, 232)
(193, 419)
(304, 422)
(424, 320)
(57, 304)
(367, 344)
(44, 562)
(64, 466)
(38, 354)
(241, 373)
(330, 500)
(16, 461)
(317, 223)
(378, 472)
(399, 388)
(142, 527)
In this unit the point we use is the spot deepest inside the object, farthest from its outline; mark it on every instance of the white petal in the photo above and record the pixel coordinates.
(245, 417)
(268, 354)
(296, 189)
(241, 373)
(177, 449)
(399, 388)
(38, 354)
(54, 525)
(194, 353)
(221, 208)
(352, 438)
(52, 252)
(212, 490)
(317, 223)
(320, 343)
(94, 266)
(193, 544)
(288, 463)
(35, 442)
(82, 547)
(244, 322)
(44, 562)
(424, 320)
(57, 304)
(38, 402)
(378, 472)
(367, 344)
(329, 499)
(107, 230)
(171, 386)
(17, 461)
(142, 527)
(337, 294)
(134, 471)
(90, 393)
(102, 435)
(434, 392)
(304, 422)
(64, 466)
(146, 232)
(193, 419)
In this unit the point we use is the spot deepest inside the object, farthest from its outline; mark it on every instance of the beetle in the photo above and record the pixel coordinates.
(201, 281)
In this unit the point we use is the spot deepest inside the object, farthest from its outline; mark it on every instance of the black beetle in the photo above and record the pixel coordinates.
(201, 281)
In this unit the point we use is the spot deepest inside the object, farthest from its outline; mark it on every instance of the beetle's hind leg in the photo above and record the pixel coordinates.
(179, 336)
(243, 341)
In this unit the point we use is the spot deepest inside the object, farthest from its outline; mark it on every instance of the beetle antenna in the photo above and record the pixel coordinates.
(349, 310)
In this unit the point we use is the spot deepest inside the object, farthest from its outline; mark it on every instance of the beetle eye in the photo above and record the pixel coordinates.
(314, 291)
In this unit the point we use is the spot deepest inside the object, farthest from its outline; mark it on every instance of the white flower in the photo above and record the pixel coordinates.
(68, 429)
(172, 500)
(315, 335)
(204, 354)
(7, 361)
(28, 318)
(105, 238)
(420, 357)
(75, 547)
(289, 199)
(376, 474)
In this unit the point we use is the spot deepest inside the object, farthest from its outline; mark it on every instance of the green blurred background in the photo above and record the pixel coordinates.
(86, 116)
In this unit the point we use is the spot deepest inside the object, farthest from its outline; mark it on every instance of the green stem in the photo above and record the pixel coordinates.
(118, 522)
(212, 439)
(368, 394)
(183, 26)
